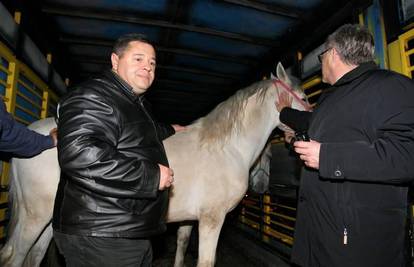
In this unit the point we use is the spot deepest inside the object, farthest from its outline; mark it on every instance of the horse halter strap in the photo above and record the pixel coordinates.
(290, 91)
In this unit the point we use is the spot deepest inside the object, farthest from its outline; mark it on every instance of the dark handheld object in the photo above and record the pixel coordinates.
(302, 136)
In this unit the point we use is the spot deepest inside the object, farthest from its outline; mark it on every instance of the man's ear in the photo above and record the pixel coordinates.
(114, 61)
(335, 53)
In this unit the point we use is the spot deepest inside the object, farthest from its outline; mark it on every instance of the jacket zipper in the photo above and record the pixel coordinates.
(345, 236)
(342, 203)
(152, 121)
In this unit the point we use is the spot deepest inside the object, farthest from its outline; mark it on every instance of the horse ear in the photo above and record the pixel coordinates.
(281, 73)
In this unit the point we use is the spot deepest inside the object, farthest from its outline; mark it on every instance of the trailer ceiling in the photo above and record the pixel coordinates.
(206, 49)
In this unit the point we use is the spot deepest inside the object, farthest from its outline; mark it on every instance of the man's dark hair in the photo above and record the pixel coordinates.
(353, 42)
(122, 42)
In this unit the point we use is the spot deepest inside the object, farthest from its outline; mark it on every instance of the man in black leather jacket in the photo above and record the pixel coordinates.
(113, 191)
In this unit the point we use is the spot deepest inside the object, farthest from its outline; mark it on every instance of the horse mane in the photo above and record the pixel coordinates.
(226, 119)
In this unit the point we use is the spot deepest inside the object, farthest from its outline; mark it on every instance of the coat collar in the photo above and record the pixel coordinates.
(355, 73)
(122, 84)
(348, 78)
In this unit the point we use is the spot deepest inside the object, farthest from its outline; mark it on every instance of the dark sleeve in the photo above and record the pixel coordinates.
(390, 156)
(18, 139)
(89, 132)
(295, 119)
(165, 130)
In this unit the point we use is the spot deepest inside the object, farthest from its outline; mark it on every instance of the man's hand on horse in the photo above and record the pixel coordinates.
(53, 133)
(166, 177)
(178, 128)
(308, 152)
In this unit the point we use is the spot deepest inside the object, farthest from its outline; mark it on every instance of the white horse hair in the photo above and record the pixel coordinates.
(211, 161)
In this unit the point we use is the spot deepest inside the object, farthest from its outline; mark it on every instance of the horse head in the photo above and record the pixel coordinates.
(260, 171)
(291, 86)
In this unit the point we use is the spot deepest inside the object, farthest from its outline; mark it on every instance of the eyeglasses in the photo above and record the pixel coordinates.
(320, 56)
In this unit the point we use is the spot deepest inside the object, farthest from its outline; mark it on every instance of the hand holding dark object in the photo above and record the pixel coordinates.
(302, 136)
(309, 152)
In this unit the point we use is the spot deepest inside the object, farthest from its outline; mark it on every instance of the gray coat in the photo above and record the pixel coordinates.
(365, 123)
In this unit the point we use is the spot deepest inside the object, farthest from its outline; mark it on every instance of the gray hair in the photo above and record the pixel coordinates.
(121, 44)
(353, 42)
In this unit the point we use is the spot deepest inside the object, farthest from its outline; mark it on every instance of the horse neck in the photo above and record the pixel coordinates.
(260, 118)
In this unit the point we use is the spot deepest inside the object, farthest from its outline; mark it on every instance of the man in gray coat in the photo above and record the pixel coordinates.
(352, 202)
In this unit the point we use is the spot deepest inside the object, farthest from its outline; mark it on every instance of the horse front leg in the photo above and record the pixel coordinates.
(209, 230)
(38, 251)
(183, 237)
(23, 236)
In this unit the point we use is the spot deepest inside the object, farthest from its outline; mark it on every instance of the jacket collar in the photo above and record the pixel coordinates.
(355, 73)
(122, 84)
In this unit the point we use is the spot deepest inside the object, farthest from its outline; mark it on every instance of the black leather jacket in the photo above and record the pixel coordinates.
(109, 148)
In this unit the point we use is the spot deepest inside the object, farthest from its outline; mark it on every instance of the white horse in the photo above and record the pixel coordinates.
(211, 161)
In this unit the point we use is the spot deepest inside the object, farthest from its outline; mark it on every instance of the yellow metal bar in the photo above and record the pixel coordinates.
(45, 102)
(299, 55)
(36, 105)
(280, 205)
(4, 179)
(6, 53)
(409, 52)
(287, 207)
(282, 216)
(4, 197)
(252, 214)
(315, 93)
(24, 69)
(22, 120)
(311, 82)
(282, 225)
(252, 199)
(361, 18)
(250, 223)
(2, 214)
(252, 206)
(29, 88)
(409, 26)
(283, 237)
(3, 83)
(10, 94)
(49, 58)
(28, 111)
(403, 44)
(2, 68)
(17, 17)
(283, 206)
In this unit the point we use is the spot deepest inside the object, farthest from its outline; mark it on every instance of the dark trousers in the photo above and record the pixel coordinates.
(88, 251)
